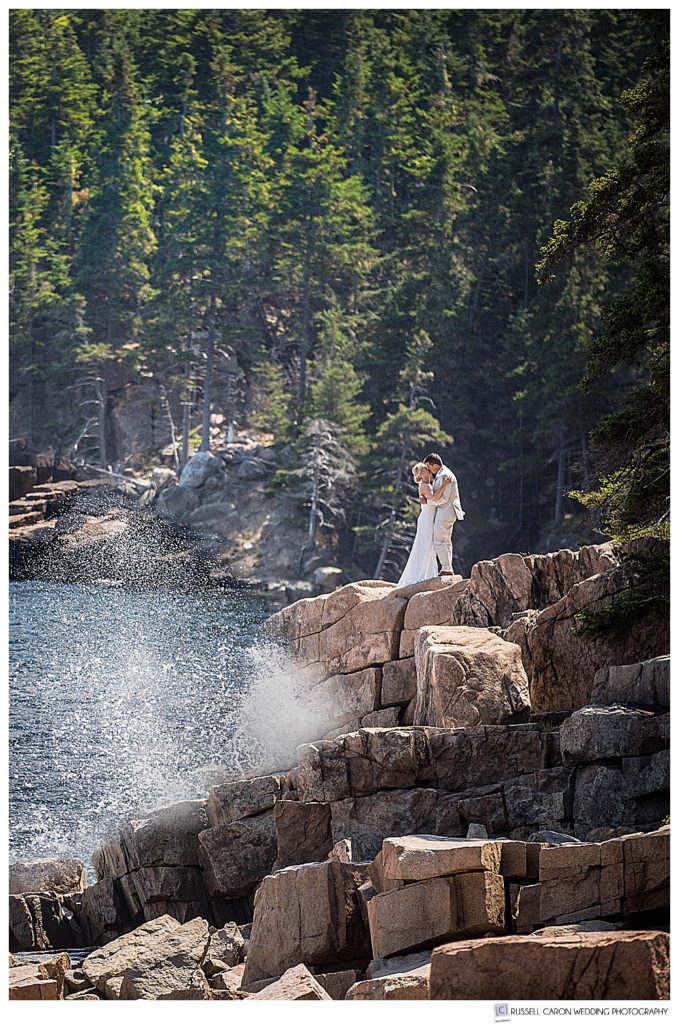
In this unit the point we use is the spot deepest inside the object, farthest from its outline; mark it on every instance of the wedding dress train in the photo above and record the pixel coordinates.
(421, 564)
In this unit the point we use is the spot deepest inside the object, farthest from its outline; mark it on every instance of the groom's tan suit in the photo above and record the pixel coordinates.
(448, 511)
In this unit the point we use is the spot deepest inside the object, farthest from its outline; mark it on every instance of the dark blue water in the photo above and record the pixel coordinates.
(121, 702)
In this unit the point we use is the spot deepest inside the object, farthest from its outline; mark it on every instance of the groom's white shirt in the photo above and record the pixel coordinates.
(451, 494)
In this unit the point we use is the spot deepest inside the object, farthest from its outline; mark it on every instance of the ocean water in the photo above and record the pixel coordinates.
(122, 702)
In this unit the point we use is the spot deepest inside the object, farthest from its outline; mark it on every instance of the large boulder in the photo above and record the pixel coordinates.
(354, 628)
(431, 911)
(143, 949)
(175, 971)
(199, 468)
(564, 665)
(156, 863)
(236, 856)
(296, 983)
(434, 607)
(414, 858)
(311, 615)
(514, 583)
(584, 966)
(31, 981)
(468, 676)
(55, 876)
(598, 733)
(644, 683)
(167, 836)
(102, 912)
(308, 914)
(243, 798)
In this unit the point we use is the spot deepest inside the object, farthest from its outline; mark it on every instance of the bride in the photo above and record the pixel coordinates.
(421, 564)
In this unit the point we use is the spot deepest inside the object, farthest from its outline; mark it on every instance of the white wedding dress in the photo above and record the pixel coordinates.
(421, 564)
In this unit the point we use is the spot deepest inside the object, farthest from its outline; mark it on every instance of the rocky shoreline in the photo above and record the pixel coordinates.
(212, 527)
(490, 787)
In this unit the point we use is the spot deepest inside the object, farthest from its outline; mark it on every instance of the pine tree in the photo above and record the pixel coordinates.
(626, 219)
(336, 386)
(324, 227)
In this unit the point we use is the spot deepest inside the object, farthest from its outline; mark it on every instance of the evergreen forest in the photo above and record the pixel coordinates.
(361, 235)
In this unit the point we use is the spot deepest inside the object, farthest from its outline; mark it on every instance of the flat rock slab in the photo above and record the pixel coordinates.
(595, 733)
(468, 676)
(414, 858)
(586, 965)
(242, 799)
(397, 977)
(26, 982)
(54, 876)
(434, 910)
(297, 983)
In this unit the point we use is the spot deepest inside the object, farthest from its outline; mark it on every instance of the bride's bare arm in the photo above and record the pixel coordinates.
(425, 493)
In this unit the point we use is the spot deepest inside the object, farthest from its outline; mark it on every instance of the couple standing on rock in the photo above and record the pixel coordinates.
(440, 509)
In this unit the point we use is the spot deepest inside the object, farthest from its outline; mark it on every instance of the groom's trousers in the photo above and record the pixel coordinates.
(443, 538)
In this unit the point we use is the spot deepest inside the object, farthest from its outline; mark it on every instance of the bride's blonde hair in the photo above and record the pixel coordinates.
(418, 469)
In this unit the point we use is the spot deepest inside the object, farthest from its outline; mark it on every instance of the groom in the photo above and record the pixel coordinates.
(448, 510)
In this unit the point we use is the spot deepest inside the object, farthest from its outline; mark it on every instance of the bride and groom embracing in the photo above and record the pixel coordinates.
(440, 509)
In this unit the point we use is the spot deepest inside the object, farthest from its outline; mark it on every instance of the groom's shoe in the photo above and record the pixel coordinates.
(444, 572)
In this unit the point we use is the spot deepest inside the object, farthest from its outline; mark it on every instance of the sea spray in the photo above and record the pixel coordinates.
(119, 703)
(278, 714)
(122, 702)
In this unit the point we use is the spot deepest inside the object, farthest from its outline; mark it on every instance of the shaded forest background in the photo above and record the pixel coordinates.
(324, 226)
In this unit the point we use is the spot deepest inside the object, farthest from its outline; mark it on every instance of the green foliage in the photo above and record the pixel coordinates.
(274, 411)
(336, 387)
(648, 582)
(626, 219)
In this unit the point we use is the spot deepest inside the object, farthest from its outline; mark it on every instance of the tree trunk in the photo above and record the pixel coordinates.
(560, 479)
(306, 326)
(102, 401)
(165, 402)
(31, 393)
(310, 542)
(385, 547)
(209, 374)
(186, 412)
(389, 531)
(69, 199)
